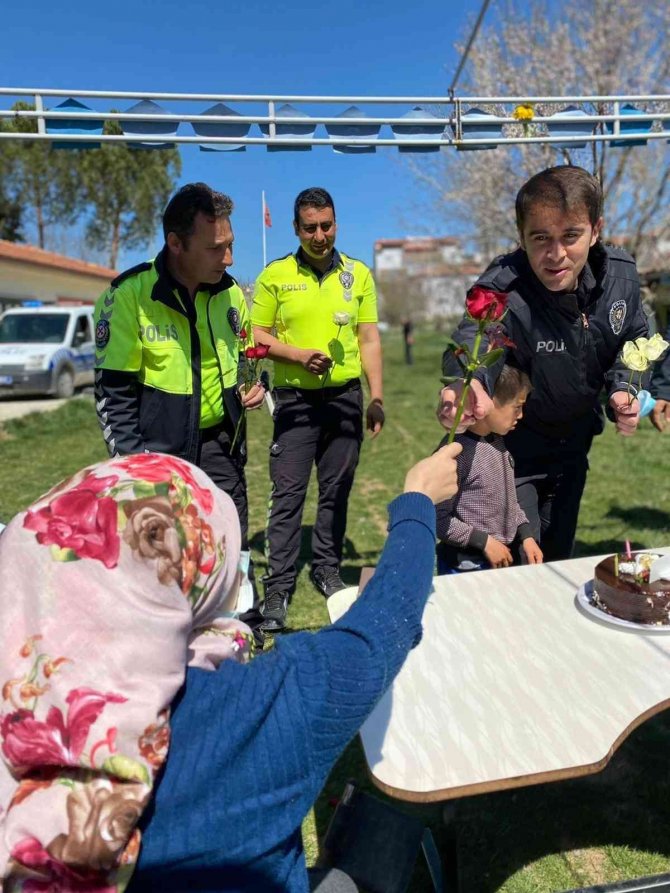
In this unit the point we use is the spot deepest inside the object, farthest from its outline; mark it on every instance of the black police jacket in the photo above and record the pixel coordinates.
(568, 343)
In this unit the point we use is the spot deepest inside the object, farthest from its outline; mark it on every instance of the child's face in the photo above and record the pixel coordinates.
(503, 417)
(557, 244)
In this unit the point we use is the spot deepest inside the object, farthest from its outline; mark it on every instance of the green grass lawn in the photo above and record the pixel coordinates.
(553, 837)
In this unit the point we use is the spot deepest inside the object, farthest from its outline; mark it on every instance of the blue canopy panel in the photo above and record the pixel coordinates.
(210, 129)
(157, 131)
(358, 132)
(405, 132)
(629, 127)
(293, 130)
(84, 126)
(478, 125)
(569, 128)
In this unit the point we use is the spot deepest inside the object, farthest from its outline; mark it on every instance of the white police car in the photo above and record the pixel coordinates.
(46, 349)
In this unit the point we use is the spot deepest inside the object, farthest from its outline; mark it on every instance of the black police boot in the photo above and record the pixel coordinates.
(327, 580)
(274, 610)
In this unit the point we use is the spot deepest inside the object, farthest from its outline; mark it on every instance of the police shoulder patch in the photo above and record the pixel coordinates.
(617, 316)
(233, 317)
(102, 333)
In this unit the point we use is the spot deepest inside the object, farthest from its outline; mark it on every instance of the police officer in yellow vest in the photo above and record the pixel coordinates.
(317, 311)
(168, 341)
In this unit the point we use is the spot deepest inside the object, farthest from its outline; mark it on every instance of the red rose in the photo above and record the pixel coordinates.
(80, 520)
(483, 304)
(257, 353)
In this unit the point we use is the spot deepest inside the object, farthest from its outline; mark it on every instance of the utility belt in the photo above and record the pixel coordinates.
(224, 427)
(316, 395)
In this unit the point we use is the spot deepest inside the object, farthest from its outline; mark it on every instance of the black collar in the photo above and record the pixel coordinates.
(303, 260)
(487, 438)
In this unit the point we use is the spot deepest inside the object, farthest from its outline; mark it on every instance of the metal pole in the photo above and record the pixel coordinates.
(480, 17)
(39, 107)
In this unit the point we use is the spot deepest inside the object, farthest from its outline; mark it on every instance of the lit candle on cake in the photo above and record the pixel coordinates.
(625, 563)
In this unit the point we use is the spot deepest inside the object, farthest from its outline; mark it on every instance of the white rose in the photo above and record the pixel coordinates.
(654, 348)
(341, 319)
(633, 358)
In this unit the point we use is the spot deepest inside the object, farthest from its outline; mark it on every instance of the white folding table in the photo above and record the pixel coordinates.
(511, 685)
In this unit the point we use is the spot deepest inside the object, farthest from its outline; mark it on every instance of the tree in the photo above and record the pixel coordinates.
(578, 47)
(126, 190)
(10, 210)
(38, 180)
(10, 219)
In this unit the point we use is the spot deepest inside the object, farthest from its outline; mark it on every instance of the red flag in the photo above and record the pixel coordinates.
(266, 216)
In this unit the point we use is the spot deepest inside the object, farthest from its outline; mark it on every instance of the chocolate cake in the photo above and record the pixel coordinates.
(628, 594)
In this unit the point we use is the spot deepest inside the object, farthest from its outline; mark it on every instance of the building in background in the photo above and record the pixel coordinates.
(424, 278)
(28, 273)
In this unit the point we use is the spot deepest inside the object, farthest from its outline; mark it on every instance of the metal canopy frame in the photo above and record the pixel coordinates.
(614, 124)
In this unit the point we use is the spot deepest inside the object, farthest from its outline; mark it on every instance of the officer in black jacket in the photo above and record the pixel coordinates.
(572, 304)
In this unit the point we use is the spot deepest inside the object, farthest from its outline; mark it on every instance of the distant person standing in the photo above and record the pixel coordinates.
(322, 306)
(408, 338)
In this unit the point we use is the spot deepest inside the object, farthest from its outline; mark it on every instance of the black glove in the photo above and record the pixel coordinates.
(374, 416)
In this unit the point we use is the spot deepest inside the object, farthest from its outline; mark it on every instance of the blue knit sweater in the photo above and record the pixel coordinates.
(253, 745)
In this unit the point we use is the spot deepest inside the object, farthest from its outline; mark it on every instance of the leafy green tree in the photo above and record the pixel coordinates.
(37, 180)
(126, 190)
(10, 219)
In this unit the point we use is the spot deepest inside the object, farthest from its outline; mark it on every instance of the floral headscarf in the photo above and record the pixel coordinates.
(111, 585)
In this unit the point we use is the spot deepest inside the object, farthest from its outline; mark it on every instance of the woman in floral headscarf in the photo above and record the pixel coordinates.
(112, 584)
(253, 745)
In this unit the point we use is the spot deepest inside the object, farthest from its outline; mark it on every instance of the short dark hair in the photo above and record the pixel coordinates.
(191, 200)
(566, 187)
(512, 382)
(314, 197)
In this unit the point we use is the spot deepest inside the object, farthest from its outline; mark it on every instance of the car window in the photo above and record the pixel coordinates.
(24, 328)
(82, 331)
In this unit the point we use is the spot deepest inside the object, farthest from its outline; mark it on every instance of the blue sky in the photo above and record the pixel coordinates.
(256, 46)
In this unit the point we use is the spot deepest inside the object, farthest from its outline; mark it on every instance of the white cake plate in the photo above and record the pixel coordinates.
(584, 600)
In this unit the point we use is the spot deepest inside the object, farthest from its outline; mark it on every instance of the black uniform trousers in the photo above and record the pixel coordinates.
(227, 472)
(550, 476)
(322, 427)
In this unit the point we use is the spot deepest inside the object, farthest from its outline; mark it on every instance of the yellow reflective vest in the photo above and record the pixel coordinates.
(166, 366)
(322, 314)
